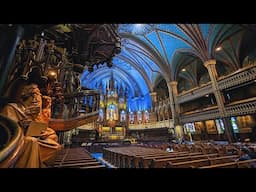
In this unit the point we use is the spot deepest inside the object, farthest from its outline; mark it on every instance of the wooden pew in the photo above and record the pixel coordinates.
(190, 164)
(160, 163)
(146, 162)
(222, 165)
(93, 167)
(251, 163)
(78, 165)
(211, 161)
(235, 164)
(223, 159)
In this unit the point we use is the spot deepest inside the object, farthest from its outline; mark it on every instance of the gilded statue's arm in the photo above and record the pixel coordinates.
(13, 112)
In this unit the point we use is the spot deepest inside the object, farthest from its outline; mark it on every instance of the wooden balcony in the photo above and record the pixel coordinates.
(242, 107)
(239, 77)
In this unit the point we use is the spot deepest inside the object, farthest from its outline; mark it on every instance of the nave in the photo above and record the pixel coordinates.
(127, 95)
(199, 155)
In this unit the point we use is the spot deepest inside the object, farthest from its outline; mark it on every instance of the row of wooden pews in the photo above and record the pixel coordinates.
(76, 158)
(227, 156)
(192, 157)
(234, 164)
(205, 160)
(129, 157)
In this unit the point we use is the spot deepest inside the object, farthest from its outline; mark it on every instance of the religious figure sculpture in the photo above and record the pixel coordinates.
(32, 106)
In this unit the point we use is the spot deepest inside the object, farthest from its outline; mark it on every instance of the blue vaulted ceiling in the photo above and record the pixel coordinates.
(153, 50)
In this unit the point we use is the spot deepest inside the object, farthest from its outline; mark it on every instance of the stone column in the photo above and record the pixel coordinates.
(98, 101)
(211, 67)
(173, 92)
(153, 99)
(171, 102)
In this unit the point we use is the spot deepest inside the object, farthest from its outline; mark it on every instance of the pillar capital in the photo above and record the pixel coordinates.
(153, 96)
(173, 83)
(152, 93)
(154, 99)
(210, 62)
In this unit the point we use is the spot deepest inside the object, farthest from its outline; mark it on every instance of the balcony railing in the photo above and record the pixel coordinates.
(238, 77)
(199, 115)
(195, 93)
(243, 107)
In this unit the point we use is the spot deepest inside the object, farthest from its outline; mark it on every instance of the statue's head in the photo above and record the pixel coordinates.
(31, 94)
(31, 98)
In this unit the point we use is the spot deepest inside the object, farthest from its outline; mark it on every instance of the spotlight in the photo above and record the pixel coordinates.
(109, 63)
(218, 48)
(52, 73)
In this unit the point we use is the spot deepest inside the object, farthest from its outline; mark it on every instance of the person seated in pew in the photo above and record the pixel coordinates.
(29, 106)
(252, 152)
(245, 155)
(169, 149)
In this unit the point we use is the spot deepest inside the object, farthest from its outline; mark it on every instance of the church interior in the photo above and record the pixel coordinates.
(100, 96)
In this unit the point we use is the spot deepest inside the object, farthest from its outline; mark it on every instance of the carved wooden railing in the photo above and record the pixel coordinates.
(242, 107)
(13, 142)
(195, 93)
(199, 115)
(71, 123)
(83, 113)
(238, 77)
(76, 103)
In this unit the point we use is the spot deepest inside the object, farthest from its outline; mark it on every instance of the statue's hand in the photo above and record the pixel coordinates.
(44, 135)
(32, 110)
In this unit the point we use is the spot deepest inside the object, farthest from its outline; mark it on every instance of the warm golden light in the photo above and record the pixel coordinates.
(218, 49)
(52, 73)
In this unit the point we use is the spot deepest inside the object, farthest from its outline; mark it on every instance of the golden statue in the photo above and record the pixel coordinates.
(32, 106)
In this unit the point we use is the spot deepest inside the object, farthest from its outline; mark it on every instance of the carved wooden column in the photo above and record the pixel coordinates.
(94, 103)
(8, 44)
(98, 101)
(211, 67)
